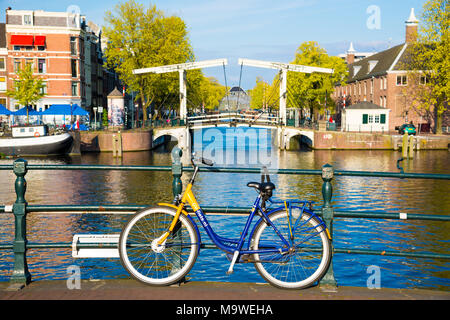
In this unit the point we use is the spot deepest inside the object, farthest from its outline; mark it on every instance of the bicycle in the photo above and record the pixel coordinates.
(290, 246)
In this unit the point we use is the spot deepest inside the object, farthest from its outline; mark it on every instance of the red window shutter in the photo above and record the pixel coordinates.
(39, 41)
(21, 40)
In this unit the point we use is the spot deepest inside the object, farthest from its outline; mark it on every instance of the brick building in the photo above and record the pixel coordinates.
(3, 65)
(381, 80)
(65, 52)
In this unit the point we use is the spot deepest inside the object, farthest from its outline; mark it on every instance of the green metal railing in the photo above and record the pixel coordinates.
(21, 275)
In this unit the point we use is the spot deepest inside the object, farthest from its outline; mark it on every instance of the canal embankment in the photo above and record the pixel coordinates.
(126, 289)
(333, 140)
(142, 140)
(102, 141)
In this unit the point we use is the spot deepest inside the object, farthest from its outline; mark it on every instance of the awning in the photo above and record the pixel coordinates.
(39, 40)
(22, 40)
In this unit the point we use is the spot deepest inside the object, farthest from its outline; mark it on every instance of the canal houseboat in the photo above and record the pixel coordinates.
(35, 140)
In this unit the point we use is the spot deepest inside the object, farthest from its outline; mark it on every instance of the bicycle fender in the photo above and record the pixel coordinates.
(173, 207)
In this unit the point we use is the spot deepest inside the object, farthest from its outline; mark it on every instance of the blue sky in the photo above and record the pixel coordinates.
(264, 29)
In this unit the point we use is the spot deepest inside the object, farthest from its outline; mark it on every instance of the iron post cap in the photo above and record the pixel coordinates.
(327, 172)
(20, 166)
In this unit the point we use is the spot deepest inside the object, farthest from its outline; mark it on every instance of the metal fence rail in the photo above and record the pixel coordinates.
(21, 276)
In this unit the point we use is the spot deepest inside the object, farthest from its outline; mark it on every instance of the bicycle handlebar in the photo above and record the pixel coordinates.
(202, 160)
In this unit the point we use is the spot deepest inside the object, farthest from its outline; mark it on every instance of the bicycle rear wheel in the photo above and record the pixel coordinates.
(308, 258)
(152, 264)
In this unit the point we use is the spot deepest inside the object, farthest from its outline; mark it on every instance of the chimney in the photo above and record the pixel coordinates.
(411, 27)
(351, 54)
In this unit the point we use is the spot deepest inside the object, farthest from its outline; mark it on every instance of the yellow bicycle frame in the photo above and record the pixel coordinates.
(188, 197)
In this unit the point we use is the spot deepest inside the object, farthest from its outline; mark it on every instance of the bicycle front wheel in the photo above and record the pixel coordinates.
(309, 254)
(152, 264)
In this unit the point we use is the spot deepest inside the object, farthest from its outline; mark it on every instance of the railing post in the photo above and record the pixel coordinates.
(20, 276)
(328, 214)
(177, 171)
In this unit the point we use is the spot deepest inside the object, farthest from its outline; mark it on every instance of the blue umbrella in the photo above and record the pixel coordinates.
(4, 111)
(23, 112)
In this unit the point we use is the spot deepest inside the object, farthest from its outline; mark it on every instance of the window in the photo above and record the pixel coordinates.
(382, 118)
(74, 68)
(27, 20)
(74, 88)
(402, 80)
(73, 45)
(385, 83)
(42, 68)
(377, 118)
(370, 118)
(44, 89)
(29, 62)
(41, 48)
(16, 48)
(2, 64)
(16, 65)
(423, 80)
(371, 86)
(381, 101)
(2, 84)
(3, 101)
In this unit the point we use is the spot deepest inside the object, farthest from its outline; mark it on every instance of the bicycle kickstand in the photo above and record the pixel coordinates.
(233, 261)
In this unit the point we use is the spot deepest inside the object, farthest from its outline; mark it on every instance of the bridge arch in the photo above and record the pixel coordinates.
(294, 139)
(181, 134)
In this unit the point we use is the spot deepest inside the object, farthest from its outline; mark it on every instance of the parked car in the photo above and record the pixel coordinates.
(407, 127)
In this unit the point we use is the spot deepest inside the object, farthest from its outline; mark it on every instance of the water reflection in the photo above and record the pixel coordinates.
(227, 189)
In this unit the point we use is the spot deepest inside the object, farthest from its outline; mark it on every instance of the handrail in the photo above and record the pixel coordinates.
(20, 208)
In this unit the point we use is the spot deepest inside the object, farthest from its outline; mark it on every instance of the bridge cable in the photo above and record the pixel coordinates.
(271, 94)
(239, 92)
(226, 87)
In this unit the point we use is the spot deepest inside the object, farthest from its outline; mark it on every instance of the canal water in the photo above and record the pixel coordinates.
(228, 189)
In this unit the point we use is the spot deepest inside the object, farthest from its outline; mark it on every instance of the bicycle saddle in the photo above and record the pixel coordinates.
(266, 187)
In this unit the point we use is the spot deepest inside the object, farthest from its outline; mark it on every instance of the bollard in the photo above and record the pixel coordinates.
(327, 214)
(405, 145)
(411, 147)
(20, 276)
(177, 171)
(117, 145)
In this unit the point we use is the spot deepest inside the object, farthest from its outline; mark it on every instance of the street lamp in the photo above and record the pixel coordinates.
(95, 117)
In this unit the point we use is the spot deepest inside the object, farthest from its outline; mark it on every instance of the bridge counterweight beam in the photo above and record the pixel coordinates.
(183, 106)
(283, 90)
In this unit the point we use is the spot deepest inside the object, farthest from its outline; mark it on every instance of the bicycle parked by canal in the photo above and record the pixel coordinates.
(289, 245)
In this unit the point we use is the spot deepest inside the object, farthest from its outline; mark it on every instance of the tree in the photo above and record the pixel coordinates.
(28, 89)
(313, 90)
(210, 92)
(264, 95)
(428, 63)
(140, 37)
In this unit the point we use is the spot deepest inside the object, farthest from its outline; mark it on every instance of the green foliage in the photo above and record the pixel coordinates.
(210, 92)
(27, 88)
(310, 90)
(105, 118)
(264, 95)
(428, 58)
(140, 37)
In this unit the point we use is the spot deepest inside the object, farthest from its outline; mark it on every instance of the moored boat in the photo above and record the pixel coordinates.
(35, 141)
